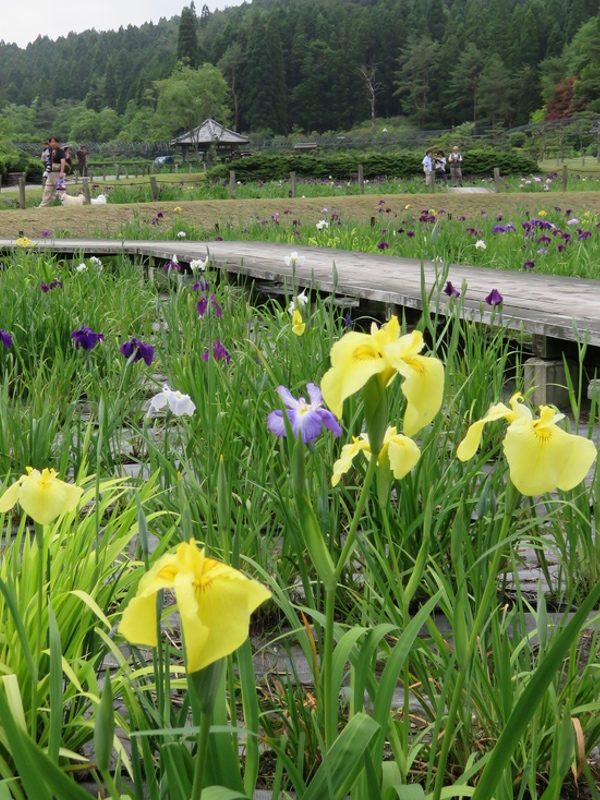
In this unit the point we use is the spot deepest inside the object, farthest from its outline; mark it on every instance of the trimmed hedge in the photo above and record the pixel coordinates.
(14, 161)
(344, 166)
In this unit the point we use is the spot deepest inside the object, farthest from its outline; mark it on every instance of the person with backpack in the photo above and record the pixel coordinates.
(455, 162)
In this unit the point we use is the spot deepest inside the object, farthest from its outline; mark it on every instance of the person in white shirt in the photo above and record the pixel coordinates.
(439, 166)
(455, 162)
(428, 166)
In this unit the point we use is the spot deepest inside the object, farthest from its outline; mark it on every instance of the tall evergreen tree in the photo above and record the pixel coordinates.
(187, 38)
(264, 95)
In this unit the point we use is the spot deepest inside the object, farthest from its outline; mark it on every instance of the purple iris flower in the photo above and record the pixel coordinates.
(348, 321)
(499, 229)
(6, 339)
(498, 217)
(201, 286)
(494, 298)
(219, 352)
(307, 419)
(451, 290)
(542, 251)
(526, 226)
(584, 235)
(544, 240)
(561, 248)
(382, 246)
(410, 234)
(172, 265)
(46, 233)
(45, 287)
(510, 227)
(86, 338)
(529, 264)
(138, 350)
(202, 306)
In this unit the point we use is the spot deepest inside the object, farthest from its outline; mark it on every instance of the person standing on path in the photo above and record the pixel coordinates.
(55, 170)
(455, 162)
(82, 156)
(428, 167)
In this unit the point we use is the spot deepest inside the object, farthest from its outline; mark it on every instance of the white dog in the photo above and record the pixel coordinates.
(99, 201)
(69, 200)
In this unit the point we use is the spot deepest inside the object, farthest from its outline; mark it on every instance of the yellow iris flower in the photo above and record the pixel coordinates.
(401, 451)
(297, 325)
(41, 495)
(23, 241)
(359, 356)
(541, 456)
(214, 602)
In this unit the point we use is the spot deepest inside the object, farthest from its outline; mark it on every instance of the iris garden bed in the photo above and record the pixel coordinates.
(355, 553)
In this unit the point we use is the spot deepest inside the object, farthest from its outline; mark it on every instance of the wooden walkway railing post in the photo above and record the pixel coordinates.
(153, 188)
(496, 179)
(565, 178)
(22, 202)
(294, 185)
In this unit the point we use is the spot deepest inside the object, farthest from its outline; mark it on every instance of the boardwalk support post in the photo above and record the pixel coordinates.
(22, 202)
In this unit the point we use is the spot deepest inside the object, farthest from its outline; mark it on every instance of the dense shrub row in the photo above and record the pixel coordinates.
(14, 161)
(344, 166)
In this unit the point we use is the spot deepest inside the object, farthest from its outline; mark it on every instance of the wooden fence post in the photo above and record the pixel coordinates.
(22, 202)
(361, 179)
(232, 184)
(117, 170)
(153, 188)
(294, 185)
(565, 178)
(86, 191)
(496, 179)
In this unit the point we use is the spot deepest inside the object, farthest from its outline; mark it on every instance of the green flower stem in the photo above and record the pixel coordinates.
(39, 538)
(329, 695)
(330, 698)
(360, 506)
(111, 785)
(201, 752)
(488, 592)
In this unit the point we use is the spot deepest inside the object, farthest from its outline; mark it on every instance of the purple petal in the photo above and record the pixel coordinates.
(287, 397)
(275, 423)
(330, 422)
(308, 424)
(316, 398)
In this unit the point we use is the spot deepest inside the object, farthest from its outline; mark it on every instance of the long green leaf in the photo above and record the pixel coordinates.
(56, 687)
(344, 760)
(531, 698)
(29, 771)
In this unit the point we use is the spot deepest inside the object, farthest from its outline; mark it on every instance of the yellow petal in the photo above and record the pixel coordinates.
(344, 462)
(10, 497)
(470, 444)
(403, 453)
(354, 359)
(44, 497)
(542, 457)
(226, 598)
(297, 325)
(423, 387)
(138, 623)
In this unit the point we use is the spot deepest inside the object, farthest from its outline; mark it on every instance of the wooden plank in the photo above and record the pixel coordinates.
(545, 305)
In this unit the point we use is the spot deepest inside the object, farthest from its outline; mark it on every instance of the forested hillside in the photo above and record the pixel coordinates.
(322, 65)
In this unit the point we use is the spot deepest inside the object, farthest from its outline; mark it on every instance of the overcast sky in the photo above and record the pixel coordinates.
(22, 21)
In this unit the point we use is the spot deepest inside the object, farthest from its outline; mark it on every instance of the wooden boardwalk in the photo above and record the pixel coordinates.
(543, 305)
